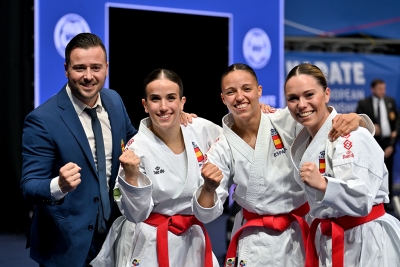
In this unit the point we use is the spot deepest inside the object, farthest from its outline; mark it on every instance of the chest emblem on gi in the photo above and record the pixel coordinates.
(158, 170)
(322, 162)
(347, 144)
(197, 151)
(276, 139)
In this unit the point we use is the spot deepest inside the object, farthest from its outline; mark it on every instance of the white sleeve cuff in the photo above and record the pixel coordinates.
(55, 190)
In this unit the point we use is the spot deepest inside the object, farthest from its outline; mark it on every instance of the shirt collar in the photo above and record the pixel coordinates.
(79, 106)
(375, 99)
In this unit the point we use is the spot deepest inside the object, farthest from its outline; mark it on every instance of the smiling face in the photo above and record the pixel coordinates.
(240, 93)
(306, 100)
(86, 72)
(163, 104)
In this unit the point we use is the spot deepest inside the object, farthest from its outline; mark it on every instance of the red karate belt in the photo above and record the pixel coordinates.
(176, 224)
(278, 222)
(335, 227)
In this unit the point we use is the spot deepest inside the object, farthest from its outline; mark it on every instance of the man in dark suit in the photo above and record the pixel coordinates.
(59, 171)
(383, 113)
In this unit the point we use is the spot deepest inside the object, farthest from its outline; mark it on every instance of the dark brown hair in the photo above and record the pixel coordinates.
(308, 69)
(375, 82)
(239, 66)
(159, 74)
(83, 40)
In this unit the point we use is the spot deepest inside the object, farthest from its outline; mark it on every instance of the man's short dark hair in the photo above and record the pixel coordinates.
(83, 40)
(375, 82)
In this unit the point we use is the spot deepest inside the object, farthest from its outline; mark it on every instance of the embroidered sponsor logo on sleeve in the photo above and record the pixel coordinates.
(347, 144)
(128, 144)
(136, 262)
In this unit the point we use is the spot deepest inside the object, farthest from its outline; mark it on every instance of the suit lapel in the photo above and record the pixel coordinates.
(369, 109)
(388, 104)
(370, 105)
(71, 120)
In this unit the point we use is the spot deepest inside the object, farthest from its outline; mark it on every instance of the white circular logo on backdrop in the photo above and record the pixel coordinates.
(66, 28)
(256, 48)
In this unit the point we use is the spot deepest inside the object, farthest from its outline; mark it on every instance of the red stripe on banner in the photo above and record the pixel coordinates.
(362, 26)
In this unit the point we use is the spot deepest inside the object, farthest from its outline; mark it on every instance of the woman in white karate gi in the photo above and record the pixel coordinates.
(252, 153)
(159, 172)
(345, 181)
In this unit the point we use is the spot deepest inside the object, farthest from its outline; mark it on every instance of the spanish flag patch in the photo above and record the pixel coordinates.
(199, 154)
(277, 141)
(322, 165)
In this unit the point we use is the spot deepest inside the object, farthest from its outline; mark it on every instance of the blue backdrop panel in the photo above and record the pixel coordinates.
(349, 77)
(343, 17)
(255, 36)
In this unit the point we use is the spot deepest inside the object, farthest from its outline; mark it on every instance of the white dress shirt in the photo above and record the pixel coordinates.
(384, 121)
(86, 122)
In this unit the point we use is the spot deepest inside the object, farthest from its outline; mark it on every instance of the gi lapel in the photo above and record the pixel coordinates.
(234, 140)
(296, 152)
(257, 157)
(314, 148)
(256, 185)
(194, 155)
(162, 151)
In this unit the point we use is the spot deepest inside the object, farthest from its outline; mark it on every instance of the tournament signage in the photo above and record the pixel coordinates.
(349, 75)
(255, 35)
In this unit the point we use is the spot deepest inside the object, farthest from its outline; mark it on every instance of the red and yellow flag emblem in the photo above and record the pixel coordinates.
(199, 154)
(277, 141)
(322, 165)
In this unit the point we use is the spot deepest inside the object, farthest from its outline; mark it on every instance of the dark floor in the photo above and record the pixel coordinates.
(14, 254)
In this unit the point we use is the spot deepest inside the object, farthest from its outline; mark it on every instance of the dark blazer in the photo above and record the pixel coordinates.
(365, 106)
(53, 135)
